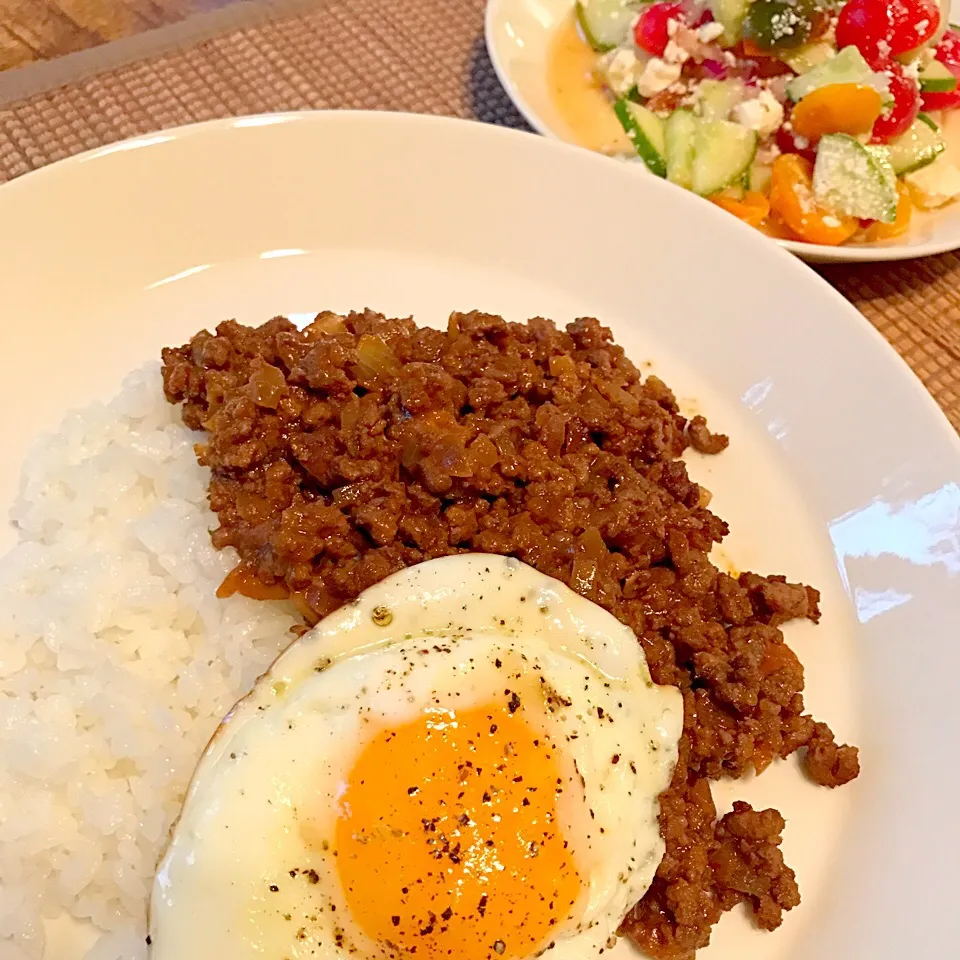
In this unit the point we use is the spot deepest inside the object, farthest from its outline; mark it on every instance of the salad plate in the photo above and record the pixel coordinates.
(702, 94)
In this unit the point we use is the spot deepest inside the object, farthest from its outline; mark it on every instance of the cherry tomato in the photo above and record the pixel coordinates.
(650, 32)
(914, 23)
(753, 208)
(948, 53)
(792, 200)
(886, 231)
(836, 108)
(789, 141)
(940, 101)
(948, 49)
(896, 119)
(866, 25)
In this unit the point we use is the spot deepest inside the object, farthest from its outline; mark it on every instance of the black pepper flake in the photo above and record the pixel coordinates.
(633, 767)
(412, 790)
(493, 728)
(497, 663)
(149, 940)
(615, 758)
(395, 920)
(447, 914)
(513, 704)
(274, 888)
(312, 875)
(482, 905)
(486, 797)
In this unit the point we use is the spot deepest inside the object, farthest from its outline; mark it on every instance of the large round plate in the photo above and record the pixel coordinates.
(841, 472)
(519, 34)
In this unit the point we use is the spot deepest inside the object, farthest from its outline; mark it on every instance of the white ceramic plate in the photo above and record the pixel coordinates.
(842, 471)
(519, 34)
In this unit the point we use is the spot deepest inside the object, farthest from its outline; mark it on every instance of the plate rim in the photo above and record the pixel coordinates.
(946, 455)
(811, 252)
(34, 179)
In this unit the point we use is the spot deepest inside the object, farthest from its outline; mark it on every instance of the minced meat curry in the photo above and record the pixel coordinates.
(346, 451)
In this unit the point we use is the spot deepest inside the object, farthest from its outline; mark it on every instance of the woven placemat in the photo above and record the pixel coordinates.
(425, 56)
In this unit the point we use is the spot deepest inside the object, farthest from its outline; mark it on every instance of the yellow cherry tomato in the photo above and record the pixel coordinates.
(836, 108)
(792, 200)
(752, 208)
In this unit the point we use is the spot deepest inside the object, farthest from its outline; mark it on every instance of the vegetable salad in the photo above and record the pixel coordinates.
(814, 119)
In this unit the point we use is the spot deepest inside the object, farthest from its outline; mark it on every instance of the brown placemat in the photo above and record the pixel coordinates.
(426, 56)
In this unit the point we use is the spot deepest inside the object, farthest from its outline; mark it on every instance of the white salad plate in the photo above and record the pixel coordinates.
(519, 34)
(841, 472)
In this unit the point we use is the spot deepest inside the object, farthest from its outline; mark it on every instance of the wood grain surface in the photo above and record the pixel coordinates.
(33, 30)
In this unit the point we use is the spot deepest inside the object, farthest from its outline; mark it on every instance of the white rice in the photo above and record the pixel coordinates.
(117, 662)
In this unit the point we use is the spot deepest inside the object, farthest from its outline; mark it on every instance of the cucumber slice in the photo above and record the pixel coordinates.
(855, 180)
(848, 66)
(681, 131)
(723, 153)
(717, 98)
(606, 23)
(729, 14)
(646, 132)
(936, 78)
(919, 146)
(760, 176)
(807, 57)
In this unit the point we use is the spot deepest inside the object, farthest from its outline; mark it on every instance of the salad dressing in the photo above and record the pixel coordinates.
(578, 96)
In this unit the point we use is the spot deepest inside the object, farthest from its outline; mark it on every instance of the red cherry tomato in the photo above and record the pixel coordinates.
(789, 142)
(914, 23)
(948, 49)
(906, 105)
(940, 101)
(866, 25)
(650, 32)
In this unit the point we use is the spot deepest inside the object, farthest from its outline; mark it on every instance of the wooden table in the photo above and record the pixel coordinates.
(33, 30)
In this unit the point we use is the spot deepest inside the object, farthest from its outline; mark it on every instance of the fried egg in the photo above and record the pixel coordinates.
(464, 762)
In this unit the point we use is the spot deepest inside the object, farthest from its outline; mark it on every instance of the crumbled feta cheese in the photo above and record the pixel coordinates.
(657, 75)
(672, 27)
(619, 69)
(673, 53)
(830, 221)
(710, 31)
(763, 114)
(912, 69)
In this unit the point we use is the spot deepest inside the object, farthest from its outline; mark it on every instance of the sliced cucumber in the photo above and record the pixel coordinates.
(850, 178)
(606, 23)
(760, 176)
(936, 78)
(681, 131)
(723, 153)
(919, 146)
(848, 66)
(729, 14)
(807, 57)
(717, 98)
(646, 132)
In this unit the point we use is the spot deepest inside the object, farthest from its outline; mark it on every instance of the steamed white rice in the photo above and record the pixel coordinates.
(117, 662)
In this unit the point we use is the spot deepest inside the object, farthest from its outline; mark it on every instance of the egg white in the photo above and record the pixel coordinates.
(238, 879)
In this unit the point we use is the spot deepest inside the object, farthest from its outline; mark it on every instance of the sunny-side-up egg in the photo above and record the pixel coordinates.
(464, 762)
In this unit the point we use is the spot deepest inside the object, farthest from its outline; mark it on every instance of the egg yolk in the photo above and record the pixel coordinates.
(447, 838)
